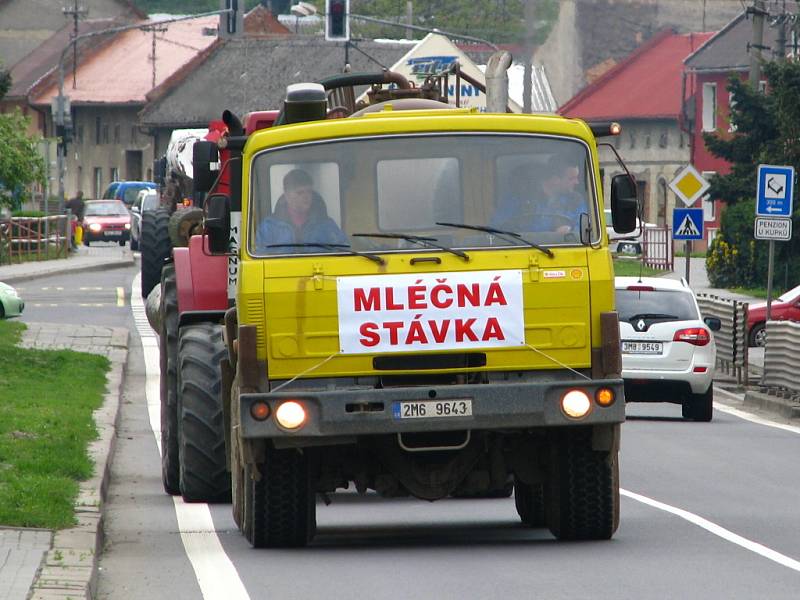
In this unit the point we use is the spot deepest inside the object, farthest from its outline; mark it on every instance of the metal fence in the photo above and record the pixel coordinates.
(731, 339)
(781, 358)
(34, 238)
(657, 251)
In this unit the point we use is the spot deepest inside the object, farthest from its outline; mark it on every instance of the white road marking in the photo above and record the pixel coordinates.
(755, 419)
(120, 296)
(717, 530)
(215, 573)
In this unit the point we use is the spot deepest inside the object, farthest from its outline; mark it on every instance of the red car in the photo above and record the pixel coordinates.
(107, 221)
(784, 308)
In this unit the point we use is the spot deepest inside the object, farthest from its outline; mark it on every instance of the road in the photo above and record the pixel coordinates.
(709, 510)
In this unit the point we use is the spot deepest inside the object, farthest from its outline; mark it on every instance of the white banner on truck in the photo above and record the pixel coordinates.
(432, 311)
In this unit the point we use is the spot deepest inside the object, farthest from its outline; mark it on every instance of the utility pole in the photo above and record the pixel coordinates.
(75, 13)
(154, 29)
(780, 40)
(410, 18)
(758, 11)
(527, 84)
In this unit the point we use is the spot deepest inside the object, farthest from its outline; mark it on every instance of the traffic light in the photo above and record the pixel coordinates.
(337, 20)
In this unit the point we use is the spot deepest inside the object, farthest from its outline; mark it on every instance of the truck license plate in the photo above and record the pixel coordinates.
(431, 409)
(642, 347)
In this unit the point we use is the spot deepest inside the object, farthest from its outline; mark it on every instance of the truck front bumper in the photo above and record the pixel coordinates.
(355, 412)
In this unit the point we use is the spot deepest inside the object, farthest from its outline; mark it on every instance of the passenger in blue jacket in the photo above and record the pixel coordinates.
(300, 217)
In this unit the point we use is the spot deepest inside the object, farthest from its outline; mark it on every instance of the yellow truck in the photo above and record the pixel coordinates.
(424, 307)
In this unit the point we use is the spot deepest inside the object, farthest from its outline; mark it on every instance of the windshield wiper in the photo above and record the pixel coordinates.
(510, 236)
(651, 316)
(345, 247)
(418, 239)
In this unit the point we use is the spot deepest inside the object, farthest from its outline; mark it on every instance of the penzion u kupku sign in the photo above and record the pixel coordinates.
(433, 311)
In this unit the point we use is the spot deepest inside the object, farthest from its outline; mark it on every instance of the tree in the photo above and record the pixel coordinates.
(20, 161)
(767, 132)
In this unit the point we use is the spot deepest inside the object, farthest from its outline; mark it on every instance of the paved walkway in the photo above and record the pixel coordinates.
(83, 259)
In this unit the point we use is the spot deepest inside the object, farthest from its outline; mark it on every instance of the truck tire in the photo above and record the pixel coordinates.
(582, 488)
(168, 358)
(184, 223)
(283, 503)
(204, 473)
(699, 407)
(155, 247)
(529, 500)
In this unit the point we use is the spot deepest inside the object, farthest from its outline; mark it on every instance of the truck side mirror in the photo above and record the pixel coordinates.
(204, 155)
(218, 223)
(623, 203)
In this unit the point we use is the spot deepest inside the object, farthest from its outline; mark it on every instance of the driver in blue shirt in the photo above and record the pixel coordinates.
(550, 203)
(300, 217)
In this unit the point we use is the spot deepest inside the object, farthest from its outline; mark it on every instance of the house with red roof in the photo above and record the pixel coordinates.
(644, 93)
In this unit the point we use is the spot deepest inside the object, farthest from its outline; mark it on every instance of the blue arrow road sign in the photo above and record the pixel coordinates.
(687, 223)
(775, 191)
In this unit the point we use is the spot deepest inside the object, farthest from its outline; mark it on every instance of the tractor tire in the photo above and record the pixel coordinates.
(529, 501)
(203, 464)
(183, 224)
(582, 488)
(282, 509)
(134, 244)
(168, 357)
(155, 247)
(699, 407)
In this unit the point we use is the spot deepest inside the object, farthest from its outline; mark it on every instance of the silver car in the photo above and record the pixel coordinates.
(145, 200)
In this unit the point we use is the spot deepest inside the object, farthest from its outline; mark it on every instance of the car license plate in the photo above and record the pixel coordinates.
(431, 409)
(113, 233)
(642, 347)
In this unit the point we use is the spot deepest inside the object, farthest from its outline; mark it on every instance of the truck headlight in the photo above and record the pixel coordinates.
(576, 404)
(290, 414)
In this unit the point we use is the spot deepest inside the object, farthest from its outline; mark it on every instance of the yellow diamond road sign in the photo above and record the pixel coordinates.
(689, 185)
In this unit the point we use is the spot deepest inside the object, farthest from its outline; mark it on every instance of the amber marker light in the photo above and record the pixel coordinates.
(576, 404)
(259, 410)
(604, 396)
(290, 415)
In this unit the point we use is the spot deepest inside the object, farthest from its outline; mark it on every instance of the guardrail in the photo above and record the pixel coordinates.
(731, 339)
(657, 252)
(34, 238)
(781, 359)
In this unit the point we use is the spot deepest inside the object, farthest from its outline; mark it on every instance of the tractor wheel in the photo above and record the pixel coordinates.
(283, 508)
(203, 464)
(582, 488)
(168, 357)
(183, 224)
(529, 500)
(134, 244)
(155, 247)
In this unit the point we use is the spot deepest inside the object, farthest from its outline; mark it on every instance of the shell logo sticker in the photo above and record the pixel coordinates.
(554, 274)
(576, 273)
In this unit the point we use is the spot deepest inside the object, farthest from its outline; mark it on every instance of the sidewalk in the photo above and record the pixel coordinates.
(38, 564)
(84, 258)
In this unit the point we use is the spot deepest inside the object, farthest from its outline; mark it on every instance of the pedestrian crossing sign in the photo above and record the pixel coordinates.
(687, 224)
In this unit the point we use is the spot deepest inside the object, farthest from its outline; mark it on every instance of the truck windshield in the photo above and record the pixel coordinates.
(535, 186)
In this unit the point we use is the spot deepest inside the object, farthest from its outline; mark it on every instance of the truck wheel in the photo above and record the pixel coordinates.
(184, 223)
(204, 473)
(283, 503)
(529, 500)
(699, 407)
(168, 357)
(582, 490)
(155, 247)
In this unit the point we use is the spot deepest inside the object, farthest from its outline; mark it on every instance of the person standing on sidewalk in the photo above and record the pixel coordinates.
(77, 207)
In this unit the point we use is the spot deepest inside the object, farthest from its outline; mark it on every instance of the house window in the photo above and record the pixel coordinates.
(731, 104)
(105, 134)
(711, 233)
(633, 141)
(97, 131)
(116, 134)
(709, 205)
(762, 86)
(661, 217)
(114, 173)
(709, 106)
(97, 184)
(663, 140)
(79, 134)
(133, 135)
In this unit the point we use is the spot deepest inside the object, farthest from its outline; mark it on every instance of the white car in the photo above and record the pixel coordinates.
(146, 199)
(625, 243)
(668, 349)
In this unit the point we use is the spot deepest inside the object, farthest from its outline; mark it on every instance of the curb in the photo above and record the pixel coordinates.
(69, 569)
(788, 408)
(67, 268)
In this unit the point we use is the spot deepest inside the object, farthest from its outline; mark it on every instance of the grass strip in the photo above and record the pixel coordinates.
(631, 268)
(47, 398)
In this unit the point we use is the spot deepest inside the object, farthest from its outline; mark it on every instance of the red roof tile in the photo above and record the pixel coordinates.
(121, 72)
(645, 85)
